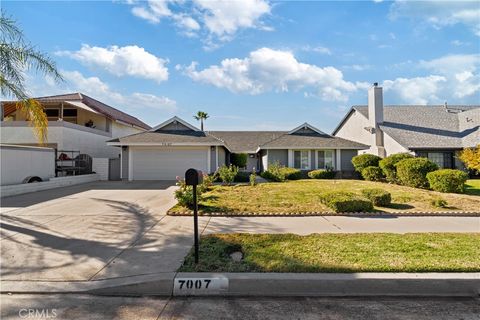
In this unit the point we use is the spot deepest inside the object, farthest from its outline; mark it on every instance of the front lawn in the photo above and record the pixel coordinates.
(303, 196)
(369, 252)
(473, 187)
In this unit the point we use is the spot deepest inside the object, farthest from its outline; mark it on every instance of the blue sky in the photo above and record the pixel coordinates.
(256, 64)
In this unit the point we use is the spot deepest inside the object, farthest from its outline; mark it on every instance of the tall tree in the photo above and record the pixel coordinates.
(18, 56)
(201, 116)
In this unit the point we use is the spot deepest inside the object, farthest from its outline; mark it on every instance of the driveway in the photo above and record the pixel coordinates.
(93, 231)
(106, 230)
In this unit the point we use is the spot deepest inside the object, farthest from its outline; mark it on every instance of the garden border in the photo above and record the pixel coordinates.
(331, 213)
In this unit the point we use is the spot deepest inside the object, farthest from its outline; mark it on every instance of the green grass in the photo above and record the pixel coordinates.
(373, 252)
(472, 187)
(303, 196)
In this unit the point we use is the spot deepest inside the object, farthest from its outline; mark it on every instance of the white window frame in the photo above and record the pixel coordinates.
(332, 153)
(308, 156)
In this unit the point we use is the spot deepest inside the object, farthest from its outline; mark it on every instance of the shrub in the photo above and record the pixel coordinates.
(253, 179)
(378, 197)
(388, 165)
(184, 194)
(345, 202)
(372, 174)
(242, 176)
(274, 172)
(227, 174)
(207, 182)
(439, 203)
(322, 174)
(362, 161)
(413, 172)
(447, 180)
(291, 173)
(471, 158)
(239, 159)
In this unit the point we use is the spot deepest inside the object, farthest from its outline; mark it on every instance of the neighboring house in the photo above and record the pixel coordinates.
(169, 149)
(76, 123)
(432, 131)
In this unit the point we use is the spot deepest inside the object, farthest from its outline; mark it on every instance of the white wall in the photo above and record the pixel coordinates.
(100, 166)
(18, 162)
(392, 146)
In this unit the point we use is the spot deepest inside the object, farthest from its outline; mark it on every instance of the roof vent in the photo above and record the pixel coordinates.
(375, 84)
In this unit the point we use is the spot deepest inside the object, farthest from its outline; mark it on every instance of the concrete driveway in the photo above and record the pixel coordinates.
(93, 231)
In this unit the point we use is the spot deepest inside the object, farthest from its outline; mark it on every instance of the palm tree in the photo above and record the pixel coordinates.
(18, 56)
(201, 116)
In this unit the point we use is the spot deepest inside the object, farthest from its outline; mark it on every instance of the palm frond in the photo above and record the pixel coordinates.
(34, 111)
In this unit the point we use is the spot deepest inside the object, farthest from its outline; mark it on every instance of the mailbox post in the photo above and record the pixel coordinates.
(193, 178)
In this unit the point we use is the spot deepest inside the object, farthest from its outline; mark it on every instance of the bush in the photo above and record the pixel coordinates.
(322, 174)
(413, 172)
(291, 173)
(345, 202)
(362, 161)
(439, 203)
(378, 197)
(184, 194)
(388, 165)
(227, 174)
(471, 158)
(253, 179)
(239, 159)
(242, 176)
(372, 174)
(207, 182)
(447, 180)
(279, 173)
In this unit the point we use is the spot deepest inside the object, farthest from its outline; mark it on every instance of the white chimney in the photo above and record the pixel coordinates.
(375, 118)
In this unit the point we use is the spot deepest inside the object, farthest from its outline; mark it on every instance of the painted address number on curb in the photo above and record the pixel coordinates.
(199, 286)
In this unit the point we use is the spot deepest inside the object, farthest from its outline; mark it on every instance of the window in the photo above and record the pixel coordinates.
(301, 159)
(52, 114)
(325, 159)
(70, 115)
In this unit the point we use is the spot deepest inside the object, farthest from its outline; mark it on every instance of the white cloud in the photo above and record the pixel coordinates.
(96, 88)
(120, 61)
(317, 49)
(273, 70)
(439, 13)
(217, 20)
(419, 90)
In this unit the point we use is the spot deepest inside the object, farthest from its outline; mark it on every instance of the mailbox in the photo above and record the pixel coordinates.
(193, 177)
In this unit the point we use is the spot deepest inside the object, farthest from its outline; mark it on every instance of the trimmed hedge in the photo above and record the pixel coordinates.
(362, 161)
(388, 165)
(379, 197)
(291, 173)
(447, 180)
(413, 172)
(372, 174)
(242, 176)
(345, 202)
(279, 173)
(321, 174)
(239, 159)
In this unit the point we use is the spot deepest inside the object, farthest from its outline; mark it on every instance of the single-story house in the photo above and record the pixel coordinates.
(437, 132)
(169, 149)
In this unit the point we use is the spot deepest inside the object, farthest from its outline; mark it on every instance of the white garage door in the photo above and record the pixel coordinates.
(152, 163)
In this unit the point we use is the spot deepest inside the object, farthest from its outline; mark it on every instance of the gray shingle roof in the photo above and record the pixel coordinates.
(312, 141)
(245, 141)
(417, 127)
(167, 137)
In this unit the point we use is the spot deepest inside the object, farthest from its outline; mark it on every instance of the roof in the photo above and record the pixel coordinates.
(433, 126)
(168, 137)
(245, 141)
(315, 140)
(96, 105)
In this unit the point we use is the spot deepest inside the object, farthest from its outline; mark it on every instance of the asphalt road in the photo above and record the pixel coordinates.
(94, 307)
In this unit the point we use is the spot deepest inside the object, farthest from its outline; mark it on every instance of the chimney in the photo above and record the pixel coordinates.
(375, 117)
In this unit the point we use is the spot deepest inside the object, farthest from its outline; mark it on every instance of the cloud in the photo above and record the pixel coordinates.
(273, 70)
(317, 49)
(217, 20)
(439, 14)
(122, 61)
(96, 88)
(453, 76)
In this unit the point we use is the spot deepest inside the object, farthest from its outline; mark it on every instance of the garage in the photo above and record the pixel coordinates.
(162, 163)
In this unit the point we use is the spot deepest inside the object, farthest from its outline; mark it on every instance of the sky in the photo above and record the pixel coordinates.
(255, 64)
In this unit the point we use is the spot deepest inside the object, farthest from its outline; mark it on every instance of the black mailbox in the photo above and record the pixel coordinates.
(193, 177)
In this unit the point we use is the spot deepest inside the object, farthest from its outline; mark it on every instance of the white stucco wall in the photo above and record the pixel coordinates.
(18, 162)
(392, 146)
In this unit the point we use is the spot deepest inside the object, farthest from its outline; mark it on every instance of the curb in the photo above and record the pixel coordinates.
(326, 213)
(265, 284)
